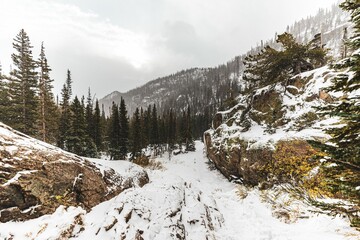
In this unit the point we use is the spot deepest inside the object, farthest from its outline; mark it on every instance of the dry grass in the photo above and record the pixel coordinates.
(242, 191)
(155, 165)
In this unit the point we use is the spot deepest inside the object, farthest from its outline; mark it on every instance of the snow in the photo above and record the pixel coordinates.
(295, 107)
(16, 177)
(184, 198)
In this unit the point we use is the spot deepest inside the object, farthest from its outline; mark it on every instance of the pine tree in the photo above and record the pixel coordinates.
(97, 124)
(124, 129)
(182, 129)
(64, 121)
(154, 140)
(344, 149)
(172, 129)
(162, 130)
(147, 126)
(104, 126)
(4, 99)
(23, 85)
(143, 138)
(48, 111)
(114, 133)
(272, 66)
(136, 134)
(346, 137)
(77, 138)
(89, 116)
(189, 142)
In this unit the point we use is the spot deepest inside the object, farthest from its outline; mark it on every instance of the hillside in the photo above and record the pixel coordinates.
(206, 90)
(243, 138)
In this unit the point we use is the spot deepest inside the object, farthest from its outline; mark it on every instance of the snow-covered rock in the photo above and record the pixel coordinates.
(36, 178)
(243, 138)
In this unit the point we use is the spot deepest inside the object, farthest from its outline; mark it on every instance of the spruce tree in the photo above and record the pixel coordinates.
(272, 66)
(104, 126)
(77, 138)
(344, 147)
(154, 140)
(114, 133)
(97, 124)
(4, 99)
(162, 130)
(189, 142)
(124, 129)
(48, 110)
(346, 138)
(172, 129)
(65, 115)
(136, 134)
(147, 126)
(23, 85)
(89, 116)
(143, 134)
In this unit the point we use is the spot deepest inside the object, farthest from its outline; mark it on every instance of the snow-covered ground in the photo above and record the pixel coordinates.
(184, 200)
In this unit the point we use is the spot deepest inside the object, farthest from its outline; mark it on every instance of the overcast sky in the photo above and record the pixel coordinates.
(121, 44)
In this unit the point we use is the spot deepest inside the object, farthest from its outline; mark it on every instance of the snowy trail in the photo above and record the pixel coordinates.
(185, 200)
(250, 218)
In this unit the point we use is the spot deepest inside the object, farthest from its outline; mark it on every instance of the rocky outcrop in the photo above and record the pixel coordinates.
(36, 178)
(244, 139)
(238, 162)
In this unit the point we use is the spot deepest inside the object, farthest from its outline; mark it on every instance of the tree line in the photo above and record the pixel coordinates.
(79, 124)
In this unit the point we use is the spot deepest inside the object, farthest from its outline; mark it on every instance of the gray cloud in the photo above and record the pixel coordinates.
(118, 44)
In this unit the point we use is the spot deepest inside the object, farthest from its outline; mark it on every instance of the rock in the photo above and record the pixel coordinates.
(218, 120)
(36, 178)
(296, 85)
(266, 107)
(325, 96)
(238, 161)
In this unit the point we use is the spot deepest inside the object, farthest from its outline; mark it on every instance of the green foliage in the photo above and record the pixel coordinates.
(65, 116)
(22, 113)
(271, 66)
(306, 120)
(344, 147)
(154, 133)
(124, 130)
(136, 132)
(97, 127)
(77, 138)
(4, 97)
(114, 133)
(48, 111)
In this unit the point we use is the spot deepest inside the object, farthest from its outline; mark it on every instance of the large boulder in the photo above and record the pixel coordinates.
(36, 178)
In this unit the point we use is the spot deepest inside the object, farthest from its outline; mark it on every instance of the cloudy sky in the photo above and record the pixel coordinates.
(121, 44)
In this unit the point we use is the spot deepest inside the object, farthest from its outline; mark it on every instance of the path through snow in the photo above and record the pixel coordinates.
(185, 200)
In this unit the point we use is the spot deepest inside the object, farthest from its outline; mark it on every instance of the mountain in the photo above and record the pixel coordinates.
(207, 89)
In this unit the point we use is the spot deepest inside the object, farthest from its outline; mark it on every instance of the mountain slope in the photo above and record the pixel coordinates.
(206, 90)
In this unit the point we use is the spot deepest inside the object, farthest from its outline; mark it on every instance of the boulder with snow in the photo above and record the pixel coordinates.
(36, 178)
